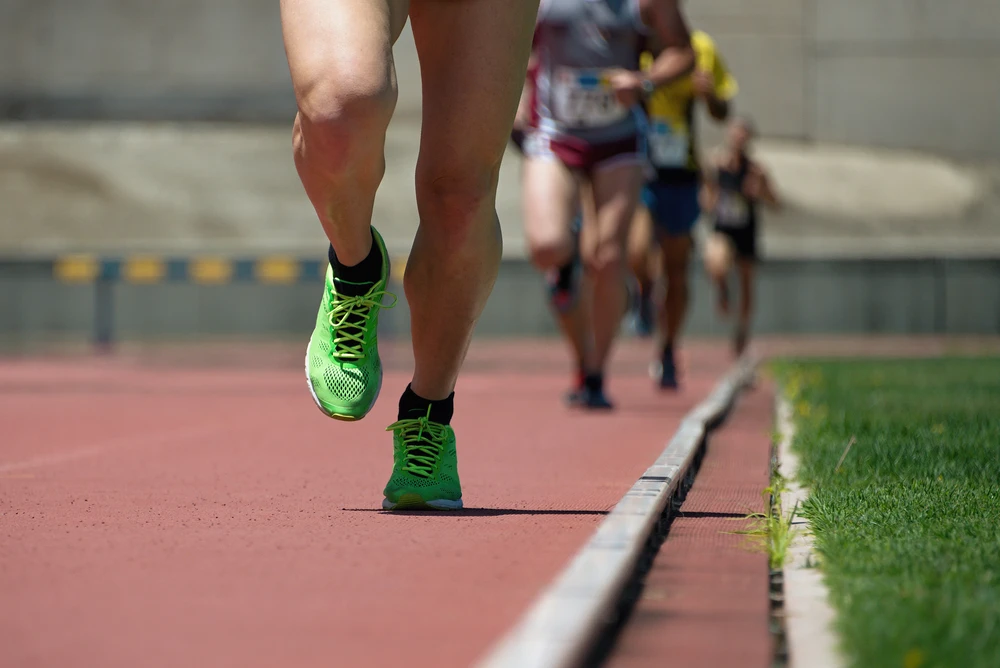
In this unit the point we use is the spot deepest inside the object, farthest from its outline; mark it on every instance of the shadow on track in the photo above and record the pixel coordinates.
(476, 512)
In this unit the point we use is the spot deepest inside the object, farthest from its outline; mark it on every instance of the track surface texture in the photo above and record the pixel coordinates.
(167, 512)
(705, 600)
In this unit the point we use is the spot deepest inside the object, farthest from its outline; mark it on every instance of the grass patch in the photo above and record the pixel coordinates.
(908, 525)
(771, 530)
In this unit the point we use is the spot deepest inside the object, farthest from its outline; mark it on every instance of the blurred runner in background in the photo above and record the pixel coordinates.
(564, 282)
(663, 227)
(734, 186)
(584, 136)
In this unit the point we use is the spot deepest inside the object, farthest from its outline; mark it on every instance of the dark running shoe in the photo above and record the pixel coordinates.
(740, 341)
(590, 395)
(668, 371)
(595, 399)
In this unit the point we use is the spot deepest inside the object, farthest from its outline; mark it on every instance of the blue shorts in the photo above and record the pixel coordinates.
(673, 206)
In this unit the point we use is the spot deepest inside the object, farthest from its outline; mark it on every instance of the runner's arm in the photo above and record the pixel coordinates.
(717, 109)
(765, 189)
(708, 196)
(768, 193)
(713, 81)
(523, 116)
(677, 57)
(704, 86)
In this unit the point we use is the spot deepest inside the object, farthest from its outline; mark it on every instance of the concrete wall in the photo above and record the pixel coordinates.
(898, 73)
(794, 297)
(214, 59)
(912, 74)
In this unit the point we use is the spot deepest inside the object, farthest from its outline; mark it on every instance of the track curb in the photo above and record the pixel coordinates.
(571, 620)
(808, 617)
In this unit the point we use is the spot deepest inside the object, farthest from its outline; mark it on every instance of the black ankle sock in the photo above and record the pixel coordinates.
(594, 382)
(668, 352)
(564, 279)
(357, 279)
(413, 406)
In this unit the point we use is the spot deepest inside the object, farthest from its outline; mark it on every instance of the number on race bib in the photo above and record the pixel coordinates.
(584, 99)
(668, 147)
(732, 210)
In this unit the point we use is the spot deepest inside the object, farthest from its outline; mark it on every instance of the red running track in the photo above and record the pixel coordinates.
(191, 516)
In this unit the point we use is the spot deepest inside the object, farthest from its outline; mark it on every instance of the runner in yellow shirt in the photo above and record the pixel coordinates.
(670, 200)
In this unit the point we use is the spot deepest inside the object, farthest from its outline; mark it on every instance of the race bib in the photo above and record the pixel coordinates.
(732, 210)
(668, 146)
(585, 99)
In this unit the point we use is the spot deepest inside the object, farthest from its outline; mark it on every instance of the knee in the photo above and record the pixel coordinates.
(452, 196)
(549, 251)
(606, 258)
(338, 118)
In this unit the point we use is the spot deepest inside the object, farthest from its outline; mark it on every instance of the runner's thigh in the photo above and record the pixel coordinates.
(473, 60)
(616, 196)
(341, 50)
(550, 194)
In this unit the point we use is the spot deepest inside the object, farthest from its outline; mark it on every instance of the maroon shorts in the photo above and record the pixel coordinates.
(584, 156)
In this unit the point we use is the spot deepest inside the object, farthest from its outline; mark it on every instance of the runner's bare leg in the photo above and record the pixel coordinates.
(745, 267)
(473, 59)
(643, 252)
(551, 196)
(340, 56)
(616, 196)
(676, 252)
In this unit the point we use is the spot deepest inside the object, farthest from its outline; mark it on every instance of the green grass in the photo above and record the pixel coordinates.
(771, 531)
(908, 528)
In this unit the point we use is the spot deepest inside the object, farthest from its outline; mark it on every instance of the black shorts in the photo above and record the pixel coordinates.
(744, 240)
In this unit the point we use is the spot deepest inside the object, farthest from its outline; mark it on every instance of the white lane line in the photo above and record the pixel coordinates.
(808, 615)
(121, 442)
(565, 621)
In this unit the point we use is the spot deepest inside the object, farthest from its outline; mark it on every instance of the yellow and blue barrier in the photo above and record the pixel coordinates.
(204, 270)
(207, 270)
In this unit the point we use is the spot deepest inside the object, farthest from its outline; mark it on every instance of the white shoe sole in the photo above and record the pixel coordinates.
(319, 404)
(441, 504)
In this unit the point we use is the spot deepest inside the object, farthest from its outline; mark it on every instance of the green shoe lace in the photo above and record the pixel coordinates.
(349, 317)
(423, 444)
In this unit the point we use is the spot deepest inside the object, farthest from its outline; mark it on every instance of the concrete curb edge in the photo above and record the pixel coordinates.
(808, 615)
(567, 620)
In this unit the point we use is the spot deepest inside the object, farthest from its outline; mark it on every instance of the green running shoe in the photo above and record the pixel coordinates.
(342, 363)
(425, 467)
